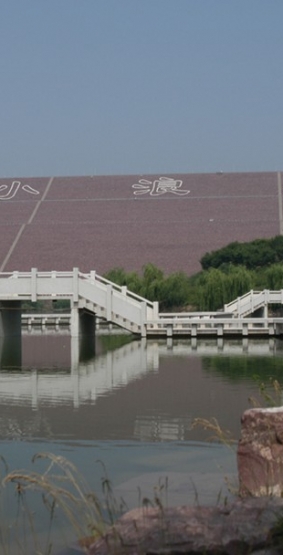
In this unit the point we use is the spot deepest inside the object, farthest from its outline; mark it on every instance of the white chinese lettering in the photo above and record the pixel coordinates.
(11, 191)
(159, 187)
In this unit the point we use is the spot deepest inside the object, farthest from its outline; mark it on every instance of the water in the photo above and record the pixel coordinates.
(131, 407)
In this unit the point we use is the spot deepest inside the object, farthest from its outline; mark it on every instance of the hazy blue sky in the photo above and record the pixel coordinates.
(139, 86)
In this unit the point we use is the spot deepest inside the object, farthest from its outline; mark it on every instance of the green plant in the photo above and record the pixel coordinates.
(253, 254)
(62, 489)
(170, 291)
(271, 393)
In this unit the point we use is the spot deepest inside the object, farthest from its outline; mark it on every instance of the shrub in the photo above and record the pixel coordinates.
(254, 254)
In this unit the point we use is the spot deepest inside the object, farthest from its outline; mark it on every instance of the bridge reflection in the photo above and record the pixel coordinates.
(143, 390)
(54, 369)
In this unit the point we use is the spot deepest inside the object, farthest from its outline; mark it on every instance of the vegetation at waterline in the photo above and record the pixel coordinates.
(227, 274)
(55, 503)
(65, 495)
(64, 502)
(238, 368)
(110, 342)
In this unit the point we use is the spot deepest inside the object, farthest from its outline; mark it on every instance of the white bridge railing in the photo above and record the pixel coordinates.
(252, 301)
(136, 314)
(212, 326)
(174, 326)
(85, 291)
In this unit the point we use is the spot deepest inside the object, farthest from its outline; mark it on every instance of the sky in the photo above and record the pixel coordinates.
(100, 87)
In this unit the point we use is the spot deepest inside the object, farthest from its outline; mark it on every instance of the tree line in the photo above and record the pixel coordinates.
(227, 273)
(253, 255)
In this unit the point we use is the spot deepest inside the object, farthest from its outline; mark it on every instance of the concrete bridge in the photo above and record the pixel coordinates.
(92, 296)
(254, 302)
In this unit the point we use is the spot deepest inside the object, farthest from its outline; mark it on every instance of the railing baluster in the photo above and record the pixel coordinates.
(33, 285)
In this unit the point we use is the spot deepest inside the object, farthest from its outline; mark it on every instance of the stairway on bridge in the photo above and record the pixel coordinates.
(91, 295)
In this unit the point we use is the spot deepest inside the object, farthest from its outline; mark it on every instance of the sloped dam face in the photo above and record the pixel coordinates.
(104, 222)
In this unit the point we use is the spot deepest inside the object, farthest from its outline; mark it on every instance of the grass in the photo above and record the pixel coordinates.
(64, 492)
(218, 433)
(271, 394)
(65, 495)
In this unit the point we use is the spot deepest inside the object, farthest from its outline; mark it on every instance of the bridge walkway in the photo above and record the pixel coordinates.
(91, 296)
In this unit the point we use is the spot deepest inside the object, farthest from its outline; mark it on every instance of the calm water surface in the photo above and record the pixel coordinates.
(131, 405)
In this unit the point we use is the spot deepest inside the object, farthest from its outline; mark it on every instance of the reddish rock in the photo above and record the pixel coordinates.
(242, 528)
(260, 452)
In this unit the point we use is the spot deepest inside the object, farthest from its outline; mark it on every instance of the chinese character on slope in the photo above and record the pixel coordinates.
(13, 189)
(159, 187)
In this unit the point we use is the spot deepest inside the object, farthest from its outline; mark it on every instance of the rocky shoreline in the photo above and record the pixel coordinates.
(250, 524)
(246, 527)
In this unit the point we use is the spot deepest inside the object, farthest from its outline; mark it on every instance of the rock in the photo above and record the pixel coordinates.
(251, 525)
(239, 529)
(260, 452)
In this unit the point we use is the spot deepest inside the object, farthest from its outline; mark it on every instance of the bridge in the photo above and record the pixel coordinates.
(254, 301)
(91, 296)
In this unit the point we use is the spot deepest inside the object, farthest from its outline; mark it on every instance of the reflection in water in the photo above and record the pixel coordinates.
(145, 390)
(161, 428)
(10, 352)
(132, 406)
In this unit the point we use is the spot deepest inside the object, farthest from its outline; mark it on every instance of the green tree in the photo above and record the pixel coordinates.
(175, 292)
(131, 279)
(134, 283)
(238, 281)
(117, 275)
(152, 282)
(231, 272)
(253, 255)
(274, 277)
(212, 292)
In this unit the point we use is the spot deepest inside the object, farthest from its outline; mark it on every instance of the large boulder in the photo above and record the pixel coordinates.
(251, 525)
(260, 452)
(243, 528)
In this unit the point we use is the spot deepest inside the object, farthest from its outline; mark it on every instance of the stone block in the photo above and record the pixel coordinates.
(260, 452)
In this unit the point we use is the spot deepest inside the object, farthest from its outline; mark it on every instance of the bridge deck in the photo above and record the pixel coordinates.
(93, 294)
(175, 327)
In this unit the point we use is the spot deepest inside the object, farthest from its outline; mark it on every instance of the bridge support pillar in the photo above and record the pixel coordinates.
(10, 334)
(82, 322)
(169, 331)
(11, 352)
(220, 330)
(87, 335)
(75, 322)
(10, 318)
(83, 328)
